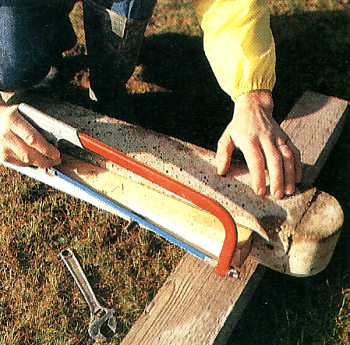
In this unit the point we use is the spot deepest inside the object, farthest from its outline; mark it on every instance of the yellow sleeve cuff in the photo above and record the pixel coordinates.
(238, 43)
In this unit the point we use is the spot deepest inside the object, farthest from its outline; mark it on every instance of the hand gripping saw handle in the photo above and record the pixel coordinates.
(58, 130)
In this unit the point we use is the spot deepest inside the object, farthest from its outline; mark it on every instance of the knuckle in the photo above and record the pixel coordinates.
(25, 157)
(30, 139)
(267, 134)
(288, 153)
(277, 159)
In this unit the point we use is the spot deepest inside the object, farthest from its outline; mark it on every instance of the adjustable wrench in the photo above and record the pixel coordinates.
(99, 315)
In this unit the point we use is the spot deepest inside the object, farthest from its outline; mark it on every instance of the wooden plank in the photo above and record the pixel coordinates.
(160, 324)
(314, 125)
(301, 237)
(173, 321)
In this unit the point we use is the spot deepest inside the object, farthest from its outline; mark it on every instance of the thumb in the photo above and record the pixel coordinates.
(224, 153)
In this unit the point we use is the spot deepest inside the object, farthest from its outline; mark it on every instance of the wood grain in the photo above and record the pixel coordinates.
(314, 125)
(207, 292)
(193, 225)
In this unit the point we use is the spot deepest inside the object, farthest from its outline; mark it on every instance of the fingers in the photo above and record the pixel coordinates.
(291, 165)
(288, 163)
(21, 144)
(257, 134)
(32, 138)
(280, 164)
(275, 166)
(256, 164)
(297, 162)
(224, 153)
(27, 155)
(8, 156)
(280, 156)
(284, 166)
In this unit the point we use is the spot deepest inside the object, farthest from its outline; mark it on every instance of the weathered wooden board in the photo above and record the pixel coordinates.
(314, 125)
(193, 305)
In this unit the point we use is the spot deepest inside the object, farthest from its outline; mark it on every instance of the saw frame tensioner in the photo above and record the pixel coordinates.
(57, 131)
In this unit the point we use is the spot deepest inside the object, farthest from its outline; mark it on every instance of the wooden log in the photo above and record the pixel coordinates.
(304, 242)
(194, 167)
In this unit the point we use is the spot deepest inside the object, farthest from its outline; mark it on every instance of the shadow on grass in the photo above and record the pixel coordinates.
(313, 53)
(195, 109)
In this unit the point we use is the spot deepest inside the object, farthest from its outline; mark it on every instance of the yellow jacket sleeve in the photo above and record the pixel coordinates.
(238, 43)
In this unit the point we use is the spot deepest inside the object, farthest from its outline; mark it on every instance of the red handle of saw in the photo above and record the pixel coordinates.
(177, 188)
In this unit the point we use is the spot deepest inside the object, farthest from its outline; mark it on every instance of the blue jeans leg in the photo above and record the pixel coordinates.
(32, 38)
(134, 9)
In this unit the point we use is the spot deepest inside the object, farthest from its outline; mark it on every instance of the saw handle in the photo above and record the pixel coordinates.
(226, 255)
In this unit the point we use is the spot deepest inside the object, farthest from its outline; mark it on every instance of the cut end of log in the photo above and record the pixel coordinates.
(305, 248)
(322, 219)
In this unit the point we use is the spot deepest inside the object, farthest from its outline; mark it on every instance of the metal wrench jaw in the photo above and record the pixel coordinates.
(99, 314)
(97, 321)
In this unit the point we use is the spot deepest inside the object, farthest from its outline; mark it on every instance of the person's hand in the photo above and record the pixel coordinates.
(21, 144)
(262, 141)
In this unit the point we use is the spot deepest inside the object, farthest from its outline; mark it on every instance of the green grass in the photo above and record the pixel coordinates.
(174, 91)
